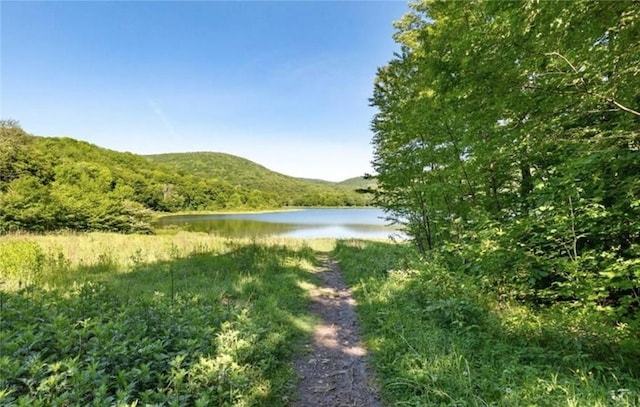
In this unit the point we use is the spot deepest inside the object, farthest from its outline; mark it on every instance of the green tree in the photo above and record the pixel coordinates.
(507, 134)
(27, 205)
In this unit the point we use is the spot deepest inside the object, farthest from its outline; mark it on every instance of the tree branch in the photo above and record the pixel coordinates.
(626, 109)
(557, 54)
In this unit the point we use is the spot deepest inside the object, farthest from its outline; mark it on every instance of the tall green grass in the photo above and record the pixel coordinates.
(438, 340)
(188, 319)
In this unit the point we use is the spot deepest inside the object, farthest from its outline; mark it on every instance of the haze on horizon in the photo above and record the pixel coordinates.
(284, 84)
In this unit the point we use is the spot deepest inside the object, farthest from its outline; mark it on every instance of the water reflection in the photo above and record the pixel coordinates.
(307, 223)
(229, 227)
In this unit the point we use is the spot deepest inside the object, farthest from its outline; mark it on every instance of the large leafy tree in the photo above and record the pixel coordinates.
(507, 133)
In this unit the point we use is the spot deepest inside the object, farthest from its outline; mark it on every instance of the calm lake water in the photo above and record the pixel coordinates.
(361, 223)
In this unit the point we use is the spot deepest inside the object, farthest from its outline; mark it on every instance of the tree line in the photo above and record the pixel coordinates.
(507, 140)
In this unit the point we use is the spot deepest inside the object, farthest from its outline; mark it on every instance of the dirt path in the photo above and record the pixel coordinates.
(335, 371)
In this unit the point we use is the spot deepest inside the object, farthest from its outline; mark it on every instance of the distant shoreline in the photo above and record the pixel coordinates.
(158, 215)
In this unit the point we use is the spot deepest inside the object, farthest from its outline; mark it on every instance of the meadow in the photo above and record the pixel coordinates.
(105, 319)
(177, 319)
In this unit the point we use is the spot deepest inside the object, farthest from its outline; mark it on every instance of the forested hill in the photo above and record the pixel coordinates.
(248, 175)
(60, 183)
(357, 183)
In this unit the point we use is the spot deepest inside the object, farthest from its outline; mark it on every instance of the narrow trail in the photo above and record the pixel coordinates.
(335, 372)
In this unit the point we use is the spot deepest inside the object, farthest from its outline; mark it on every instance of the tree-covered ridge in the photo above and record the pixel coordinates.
(60, 183)
(247, 175)
(359, 183)
(508, 137)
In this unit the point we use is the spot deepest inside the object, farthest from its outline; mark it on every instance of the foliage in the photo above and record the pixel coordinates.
(440, 338)
(214, 324)
(366, 184)
(272, 189)
(21, 262)
(49, 184)
(507, 137)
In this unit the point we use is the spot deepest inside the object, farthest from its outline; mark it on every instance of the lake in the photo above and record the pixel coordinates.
(341, 223)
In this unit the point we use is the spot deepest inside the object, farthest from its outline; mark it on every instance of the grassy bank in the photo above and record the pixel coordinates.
(186, 319)
(437, 340)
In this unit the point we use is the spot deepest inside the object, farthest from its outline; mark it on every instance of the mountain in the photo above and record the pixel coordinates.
(248, 175)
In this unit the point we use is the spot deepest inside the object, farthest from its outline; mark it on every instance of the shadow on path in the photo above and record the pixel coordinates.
(335, 371)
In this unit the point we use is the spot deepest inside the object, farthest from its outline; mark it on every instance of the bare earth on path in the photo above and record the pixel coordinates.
(335, 372)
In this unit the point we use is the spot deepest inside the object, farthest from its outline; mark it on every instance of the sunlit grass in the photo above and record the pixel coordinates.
(62, 258)
(181, 319)
(436, 339)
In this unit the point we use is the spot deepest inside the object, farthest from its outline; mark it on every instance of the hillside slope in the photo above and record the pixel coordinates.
(358, 183)
(248, 175)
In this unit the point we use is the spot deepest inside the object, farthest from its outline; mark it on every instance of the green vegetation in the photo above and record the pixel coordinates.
(440, 338)
(190, 319)
(106, 319)
(260, 183)
(49, 184)
(367, 183)
(507, 139)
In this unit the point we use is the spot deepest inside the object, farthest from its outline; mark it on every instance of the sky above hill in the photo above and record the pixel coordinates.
(282, 83)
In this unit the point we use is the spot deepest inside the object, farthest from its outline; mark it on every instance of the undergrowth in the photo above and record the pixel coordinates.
(209, 322)
(437, 339)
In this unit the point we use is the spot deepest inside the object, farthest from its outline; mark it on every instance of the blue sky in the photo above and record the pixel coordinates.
(285, 84)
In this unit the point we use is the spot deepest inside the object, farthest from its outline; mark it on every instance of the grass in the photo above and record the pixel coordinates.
(437, 340)
(183, 319)
(189, 319)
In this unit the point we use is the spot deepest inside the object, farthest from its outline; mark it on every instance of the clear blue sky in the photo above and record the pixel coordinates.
(285, 84)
